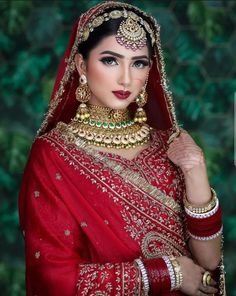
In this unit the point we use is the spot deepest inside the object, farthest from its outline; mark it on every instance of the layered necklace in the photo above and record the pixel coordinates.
(109, 128)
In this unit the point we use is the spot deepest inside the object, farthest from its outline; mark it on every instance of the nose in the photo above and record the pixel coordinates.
(125, 76)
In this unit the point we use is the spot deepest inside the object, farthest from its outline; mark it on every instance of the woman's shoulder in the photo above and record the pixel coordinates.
(46, 145)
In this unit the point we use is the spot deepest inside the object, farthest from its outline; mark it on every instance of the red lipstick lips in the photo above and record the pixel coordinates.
(121, 94)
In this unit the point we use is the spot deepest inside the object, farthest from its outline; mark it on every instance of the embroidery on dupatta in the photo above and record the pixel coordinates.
(133, 177)
(94, 280)
(151, 216)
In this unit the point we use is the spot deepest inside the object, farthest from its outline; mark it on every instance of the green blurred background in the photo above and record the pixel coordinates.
(199, 44)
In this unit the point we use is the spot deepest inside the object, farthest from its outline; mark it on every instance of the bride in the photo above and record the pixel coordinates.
(115, 198)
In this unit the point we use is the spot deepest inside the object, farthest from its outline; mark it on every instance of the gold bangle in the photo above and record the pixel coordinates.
(201, 209)
(178, 273)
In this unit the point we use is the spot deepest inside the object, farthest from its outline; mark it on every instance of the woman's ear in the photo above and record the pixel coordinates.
(80, 64)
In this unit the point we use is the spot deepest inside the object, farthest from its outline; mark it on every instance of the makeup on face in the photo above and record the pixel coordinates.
(116, 74)
(121, 94)
(112, 58)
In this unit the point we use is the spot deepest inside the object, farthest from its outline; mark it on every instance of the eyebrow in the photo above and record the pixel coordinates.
(121, 56)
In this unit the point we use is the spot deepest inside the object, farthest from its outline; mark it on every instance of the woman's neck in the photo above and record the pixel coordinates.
(106, 114)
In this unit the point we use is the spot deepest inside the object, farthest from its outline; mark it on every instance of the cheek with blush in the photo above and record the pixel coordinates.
(97, 74)
(99, 78)
(139, 83)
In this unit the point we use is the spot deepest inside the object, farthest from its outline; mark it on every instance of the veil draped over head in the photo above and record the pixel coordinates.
(63, 104)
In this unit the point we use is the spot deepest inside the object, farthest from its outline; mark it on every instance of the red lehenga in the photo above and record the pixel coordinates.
(87, 215)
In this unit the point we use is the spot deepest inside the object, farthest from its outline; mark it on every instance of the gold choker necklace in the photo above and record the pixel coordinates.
(109, 128)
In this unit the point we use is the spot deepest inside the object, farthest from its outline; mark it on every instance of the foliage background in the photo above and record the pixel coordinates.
(199, 42)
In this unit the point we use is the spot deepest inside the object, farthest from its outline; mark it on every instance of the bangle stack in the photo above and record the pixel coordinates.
(176, 275)
(145, 280)
(171, 272)
(160, 274)
(202, 209)
(204, 223)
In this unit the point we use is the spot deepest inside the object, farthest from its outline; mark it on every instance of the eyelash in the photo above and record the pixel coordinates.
(110, 62)
(142, 62)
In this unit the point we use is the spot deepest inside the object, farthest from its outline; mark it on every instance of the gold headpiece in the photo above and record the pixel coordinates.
(131, 32)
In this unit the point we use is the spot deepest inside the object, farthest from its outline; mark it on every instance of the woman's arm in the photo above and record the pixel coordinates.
(184, 152)
(207, 253)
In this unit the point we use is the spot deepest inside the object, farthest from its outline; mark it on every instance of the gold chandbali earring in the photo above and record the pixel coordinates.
(83, 94)
(141, 100)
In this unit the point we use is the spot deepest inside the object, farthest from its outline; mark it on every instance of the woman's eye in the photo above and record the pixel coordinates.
(141, 64)
(109, 61)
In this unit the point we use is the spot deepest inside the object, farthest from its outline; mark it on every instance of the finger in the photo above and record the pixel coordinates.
(213, 282)
(183, 140)
(182, 150)
(200, 293)
(208, 289)
(185, 152)
(203, 270)
(185, 146)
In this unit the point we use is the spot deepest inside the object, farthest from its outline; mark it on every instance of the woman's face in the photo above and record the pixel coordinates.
(116, 74)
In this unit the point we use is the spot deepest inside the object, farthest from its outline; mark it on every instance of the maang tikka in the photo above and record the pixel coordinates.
(83, 94)
(131, 34)
(132, 31)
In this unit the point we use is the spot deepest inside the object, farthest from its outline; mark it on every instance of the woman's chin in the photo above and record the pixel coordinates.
(118, 105)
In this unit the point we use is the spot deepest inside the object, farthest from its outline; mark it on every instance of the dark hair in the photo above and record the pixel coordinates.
(108, 28)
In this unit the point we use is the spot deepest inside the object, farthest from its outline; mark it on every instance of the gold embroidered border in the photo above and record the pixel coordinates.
(117, 279)
(127, 174)
(133, 177)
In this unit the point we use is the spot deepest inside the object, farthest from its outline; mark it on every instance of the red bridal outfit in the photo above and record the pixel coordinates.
(87, 215)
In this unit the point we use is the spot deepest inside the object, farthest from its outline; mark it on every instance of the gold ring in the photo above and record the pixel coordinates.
(206, 278)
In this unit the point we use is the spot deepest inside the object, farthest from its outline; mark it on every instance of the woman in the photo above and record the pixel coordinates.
(115, 199)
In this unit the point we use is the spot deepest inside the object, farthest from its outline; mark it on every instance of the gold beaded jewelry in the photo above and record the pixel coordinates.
(130, 33)
(201, 209)
(109, 128)
(83, 94)
(141, 100)
(178, 273)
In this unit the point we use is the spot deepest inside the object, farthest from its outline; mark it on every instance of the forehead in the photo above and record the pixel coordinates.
(110, 43)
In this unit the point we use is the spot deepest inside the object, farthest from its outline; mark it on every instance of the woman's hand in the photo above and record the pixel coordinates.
(192, 278)
(185, 153)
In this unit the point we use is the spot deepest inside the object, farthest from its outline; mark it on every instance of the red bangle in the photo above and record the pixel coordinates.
(205, 227)
(158, 275)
